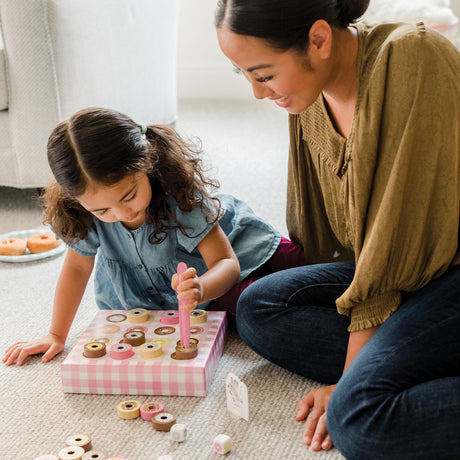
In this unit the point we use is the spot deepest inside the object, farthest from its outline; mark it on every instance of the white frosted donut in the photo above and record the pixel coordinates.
(12, 247)
(80, 440)
(71, 453)
(42, 242)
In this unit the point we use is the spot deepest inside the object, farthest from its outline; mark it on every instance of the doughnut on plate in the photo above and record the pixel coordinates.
(28, 257)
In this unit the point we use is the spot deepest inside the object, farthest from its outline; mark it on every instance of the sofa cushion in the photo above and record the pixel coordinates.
(3, 82)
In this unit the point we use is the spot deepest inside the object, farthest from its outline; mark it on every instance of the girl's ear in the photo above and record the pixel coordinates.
(320, 37)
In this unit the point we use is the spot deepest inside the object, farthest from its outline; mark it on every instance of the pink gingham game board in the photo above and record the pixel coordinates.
(136, 375)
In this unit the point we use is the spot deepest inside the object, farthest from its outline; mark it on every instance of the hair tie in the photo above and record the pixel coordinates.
(143, 129)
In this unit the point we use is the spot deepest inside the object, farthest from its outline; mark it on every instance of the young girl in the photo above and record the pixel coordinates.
(137, 197)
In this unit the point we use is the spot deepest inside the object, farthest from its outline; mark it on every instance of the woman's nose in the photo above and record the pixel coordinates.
(260, 90)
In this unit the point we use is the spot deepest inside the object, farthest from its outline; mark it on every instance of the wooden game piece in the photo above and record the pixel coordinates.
(116, 318)
(106, 340)
(170, 317)
(198, 316)
(150, 350)
(128, 410)
(178, 432)
(71, 453)
(95, 455)
(186, 353)
(134, 338)
(192, 340)
(150, 409)
(161, 341)
(94, 350)
(121, 351)
(137, 328)
(80, 440)
(166, 330)
(47, 457)
(138, 315)
(163, 421)
(222, 444)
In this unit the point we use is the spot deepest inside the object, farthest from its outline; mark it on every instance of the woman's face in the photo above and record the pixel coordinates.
(292, 81)
(126, 201)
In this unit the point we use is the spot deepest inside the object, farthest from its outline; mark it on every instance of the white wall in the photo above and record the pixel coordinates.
(202, 70)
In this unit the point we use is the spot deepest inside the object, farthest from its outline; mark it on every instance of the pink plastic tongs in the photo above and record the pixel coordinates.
(184, 315)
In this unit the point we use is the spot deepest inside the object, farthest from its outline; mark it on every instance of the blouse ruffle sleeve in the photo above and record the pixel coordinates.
(403, 180)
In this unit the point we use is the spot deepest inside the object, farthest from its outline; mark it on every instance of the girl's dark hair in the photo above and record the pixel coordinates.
(105, 146)
(285, 24)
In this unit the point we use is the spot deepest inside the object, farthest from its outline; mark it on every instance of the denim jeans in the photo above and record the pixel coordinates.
(400, 397)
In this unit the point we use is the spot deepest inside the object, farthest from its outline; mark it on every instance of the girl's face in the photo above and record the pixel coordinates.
(291, 81)
(126, 201)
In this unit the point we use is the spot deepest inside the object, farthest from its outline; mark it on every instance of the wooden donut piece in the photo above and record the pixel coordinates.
(116, 318)
(186, 353)
(95, 455)
(163, 421)
(42, 242)
(138, 315)
(191, 340)
(150, 409)
(94, 350)
(12, 247)
(165, 330)
(80, 440)
(121, 351)
(134, 338)
(170, 317)
(198, 316)
(128, 410)
(150, 350)
(71, 453)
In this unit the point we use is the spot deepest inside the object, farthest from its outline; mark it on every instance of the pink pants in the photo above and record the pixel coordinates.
(287, 255)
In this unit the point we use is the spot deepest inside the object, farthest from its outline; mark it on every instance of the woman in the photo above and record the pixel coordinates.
(373, 197)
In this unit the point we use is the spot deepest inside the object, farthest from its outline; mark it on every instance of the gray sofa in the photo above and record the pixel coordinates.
(59, 56)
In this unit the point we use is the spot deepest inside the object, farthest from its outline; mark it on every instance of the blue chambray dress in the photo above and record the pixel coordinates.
(132, 273)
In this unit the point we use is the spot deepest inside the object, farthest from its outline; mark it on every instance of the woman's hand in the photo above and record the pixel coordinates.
(313, 407)
(190, 288)
(50, 345)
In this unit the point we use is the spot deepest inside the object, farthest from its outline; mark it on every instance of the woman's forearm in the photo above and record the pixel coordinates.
(356, 341)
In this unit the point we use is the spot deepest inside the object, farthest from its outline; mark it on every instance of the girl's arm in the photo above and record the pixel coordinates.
(71, 285)
(223, 271)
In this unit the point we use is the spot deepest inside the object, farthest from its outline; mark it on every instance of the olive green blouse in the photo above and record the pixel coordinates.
(388, 195)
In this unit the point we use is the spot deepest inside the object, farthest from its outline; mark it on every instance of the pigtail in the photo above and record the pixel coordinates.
(68, 219)
(177, 170)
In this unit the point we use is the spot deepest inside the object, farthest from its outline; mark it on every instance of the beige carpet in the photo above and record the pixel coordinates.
(246, 143)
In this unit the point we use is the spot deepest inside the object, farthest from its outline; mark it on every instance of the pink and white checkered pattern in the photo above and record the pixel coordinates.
(137, 376)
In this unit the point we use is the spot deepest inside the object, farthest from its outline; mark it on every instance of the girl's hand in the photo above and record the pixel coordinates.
(313, 407)
(189, 289)
(50, 345)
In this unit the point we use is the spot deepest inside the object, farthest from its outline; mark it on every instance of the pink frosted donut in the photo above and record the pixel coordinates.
(12, 247)
(42, 242)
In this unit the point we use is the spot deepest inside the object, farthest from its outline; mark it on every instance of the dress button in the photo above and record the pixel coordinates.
(149, 288)
(162, 303)
(140, 266)
(129, 235)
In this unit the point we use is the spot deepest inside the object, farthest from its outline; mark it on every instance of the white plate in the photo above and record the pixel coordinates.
(28, 257)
